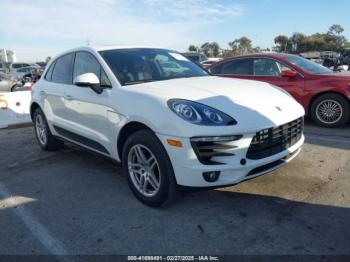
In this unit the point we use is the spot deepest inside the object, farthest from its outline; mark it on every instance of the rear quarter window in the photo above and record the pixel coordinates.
(63, 70)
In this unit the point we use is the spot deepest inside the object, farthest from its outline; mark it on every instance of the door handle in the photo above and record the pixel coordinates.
(42, 93)
(69, 97)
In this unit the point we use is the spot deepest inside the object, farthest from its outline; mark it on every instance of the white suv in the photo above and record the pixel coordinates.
(168, 121)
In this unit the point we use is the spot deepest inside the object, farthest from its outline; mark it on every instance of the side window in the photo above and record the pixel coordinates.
(267, 67)
(236, 67)
(49, 72)
(62, 72)
(87, 63)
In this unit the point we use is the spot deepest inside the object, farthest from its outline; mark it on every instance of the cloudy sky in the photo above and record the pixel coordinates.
(38, 28)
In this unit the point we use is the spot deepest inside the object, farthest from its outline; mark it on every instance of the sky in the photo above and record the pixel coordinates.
(36, 29)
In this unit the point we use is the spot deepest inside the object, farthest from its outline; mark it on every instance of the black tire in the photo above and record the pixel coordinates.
(340, 100)
(15, 88)
(51, 143)
(168, 187)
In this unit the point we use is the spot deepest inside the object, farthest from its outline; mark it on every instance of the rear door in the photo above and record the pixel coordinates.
(57, 79)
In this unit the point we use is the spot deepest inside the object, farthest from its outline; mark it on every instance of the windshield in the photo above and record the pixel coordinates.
(139, 65)
(307, 65)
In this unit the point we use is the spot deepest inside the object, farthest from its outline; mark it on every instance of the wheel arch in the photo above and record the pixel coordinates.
(33, 107)
(127, 130)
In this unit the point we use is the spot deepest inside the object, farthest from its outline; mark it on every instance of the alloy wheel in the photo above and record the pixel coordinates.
(41, 130)
(329, 111)
(144, 170)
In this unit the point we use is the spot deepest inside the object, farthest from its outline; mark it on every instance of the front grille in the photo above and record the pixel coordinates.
(271, 141)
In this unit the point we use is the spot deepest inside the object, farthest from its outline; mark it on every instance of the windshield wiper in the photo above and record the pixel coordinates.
(138, 82)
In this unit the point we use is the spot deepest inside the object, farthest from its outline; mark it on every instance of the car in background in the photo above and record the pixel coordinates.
(210, 61)
(324, 94)
(17, 65)
(42, 64)
(10, 85)
(168, 125)
(24, 71)
(195, 57)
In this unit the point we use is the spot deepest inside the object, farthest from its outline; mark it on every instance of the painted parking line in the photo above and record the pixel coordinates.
(54, 246)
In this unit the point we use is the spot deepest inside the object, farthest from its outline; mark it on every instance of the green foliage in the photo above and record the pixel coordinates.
(333, 40)
(193, 48)
(210, 49)
(241, 46)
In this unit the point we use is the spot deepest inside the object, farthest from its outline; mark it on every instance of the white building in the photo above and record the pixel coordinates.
(7, 56)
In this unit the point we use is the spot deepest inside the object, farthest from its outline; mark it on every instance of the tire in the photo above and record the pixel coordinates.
(15, 88)
(330, 110)
(43, 134)
(161, 172)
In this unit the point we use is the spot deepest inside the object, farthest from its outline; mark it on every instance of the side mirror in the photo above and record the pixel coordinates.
(89, 80)
(289, 73)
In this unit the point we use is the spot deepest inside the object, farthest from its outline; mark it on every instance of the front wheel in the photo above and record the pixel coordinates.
(148, 169)
(330, 110)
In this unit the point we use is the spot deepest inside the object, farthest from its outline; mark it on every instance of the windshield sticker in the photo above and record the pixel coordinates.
(178, 57)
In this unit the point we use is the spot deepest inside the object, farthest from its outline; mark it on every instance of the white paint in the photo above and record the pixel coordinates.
(14, 108)
(53, 245)
(255, 105)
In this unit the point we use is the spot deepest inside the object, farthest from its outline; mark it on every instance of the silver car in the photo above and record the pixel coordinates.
(9, 85)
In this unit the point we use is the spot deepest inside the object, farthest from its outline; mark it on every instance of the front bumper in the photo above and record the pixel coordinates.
(189, 170)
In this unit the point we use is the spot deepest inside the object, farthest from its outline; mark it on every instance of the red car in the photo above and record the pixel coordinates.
(324, 94)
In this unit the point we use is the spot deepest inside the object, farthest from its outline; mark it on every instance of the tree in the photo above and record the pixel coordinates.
(211, 49)
(193, 48)
(48, 59)
(335, 30)
(241, 46)
(282, 42)
(296, 42)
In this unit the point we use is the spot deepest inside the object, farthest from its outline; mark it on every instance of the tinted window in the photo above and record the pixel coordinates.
(87, 63)
(266, 67)
(62, 72)
(236, 67)
(138, 65)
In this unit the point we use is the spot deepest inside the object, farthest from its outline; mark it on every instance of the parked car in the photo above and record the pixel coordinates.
(324, 94)
(168, 128)
(24, 71)
(9, 85)
(210, 61)
(195, 57)
(14, 66)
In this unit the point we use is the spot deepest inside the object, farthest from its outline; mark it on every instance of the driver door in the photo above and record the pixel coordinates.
(270, 71)
(86, 110)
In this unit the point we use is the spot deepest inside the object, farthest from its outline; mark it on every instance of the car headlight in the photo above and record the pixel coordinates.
(200, 114)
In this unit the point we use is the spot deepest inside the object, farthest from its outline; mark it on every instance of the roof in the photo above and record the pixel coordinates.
(112, 47)
(270, 55)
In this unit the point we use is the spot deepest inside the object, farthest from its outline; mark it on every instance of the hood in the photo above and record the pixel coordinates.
(245, 100)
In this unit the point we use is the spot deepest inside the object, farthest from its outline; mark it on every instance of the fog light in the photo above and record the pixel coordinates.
(211, 176)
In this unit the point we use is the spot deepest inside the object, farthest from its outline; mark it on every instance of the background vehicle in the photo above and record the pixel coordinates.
(7, 84)
(210, 61)
(169, 125)
(325, 95)
(24, 71)
(195, 57)
(14, 66)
